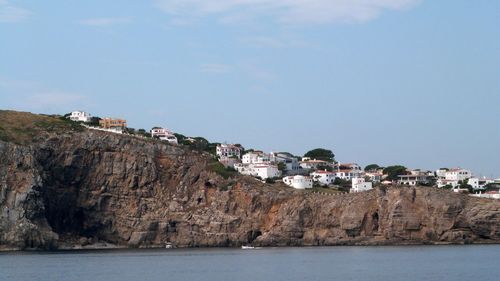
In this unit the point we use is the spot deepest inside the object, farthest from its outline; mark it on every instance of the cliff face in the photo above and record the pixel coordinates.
(81, 188)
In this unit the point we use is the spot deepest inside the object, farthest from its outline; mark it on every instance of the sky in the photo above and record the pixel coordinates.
(411, 82)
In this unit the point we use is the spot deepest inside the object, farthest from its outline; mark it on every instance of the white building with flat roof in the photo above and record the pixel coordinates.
(255, 157)
(323, 177)
(263, 171)
(479, 183)
(164, 135)
(312, 164)
(348, 174)
(292, 163)
(359, 185)
(374, 176)
(228, 150)
(298, 182)
(413, 180)
(458, 174)
(452, 177)
(80, 116)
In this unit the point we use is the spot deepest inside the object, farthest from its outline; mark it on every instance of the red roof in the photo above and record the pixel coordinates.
(324, 172)
(345, 171)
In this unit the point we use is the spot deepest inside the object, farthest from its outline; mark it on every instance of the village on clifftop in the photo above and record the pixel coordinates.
(317, 168)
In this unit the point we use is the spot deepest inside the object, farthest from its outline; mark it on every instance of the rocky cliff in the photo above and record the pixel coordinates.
(67, 187)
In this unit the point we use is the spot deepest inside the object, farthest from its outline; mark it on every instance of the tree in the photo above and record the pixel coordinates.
(281, 166)
(325, 167)
(200, 144)
(464, 184)
(393, 172)
(448, 186)
(372, 167)
(130, 131)
(270, 180)
(343, 185)
(492, 187)
(143, 133)
(321, 154)
(94, 121)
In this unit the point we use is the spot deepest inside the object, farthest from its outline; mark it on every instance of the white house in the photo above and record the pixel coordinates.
(359, 185)
(228, 150)
(349, 171)
(478, 183)
(458, 174)
(255, 157)
(374, 176)
(263, 171)
(291, 162)
(164, 135)
(348, 174)
(80, 116)
(242, 168)
(453, 176)
(323, 177)
(298, 182)
(312, 164)
(414, 179)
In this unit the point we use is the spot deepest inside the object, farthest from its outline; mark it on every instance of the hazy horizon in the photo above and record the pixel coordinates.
(411, 82)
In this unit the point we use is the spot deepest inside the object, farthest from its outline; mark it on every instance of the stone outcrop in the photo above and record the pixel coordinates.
(89, 188)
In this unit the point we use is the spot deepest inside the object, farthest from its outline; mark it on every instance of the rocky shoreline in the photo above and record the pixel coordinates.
(71, 190)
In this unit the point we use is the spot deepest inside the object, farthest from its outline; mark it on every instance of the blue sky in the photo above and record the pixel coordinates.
(383, 81)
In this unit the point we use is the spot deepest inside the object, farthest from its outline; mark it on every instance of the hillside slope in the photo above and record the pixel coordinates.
(62, 186)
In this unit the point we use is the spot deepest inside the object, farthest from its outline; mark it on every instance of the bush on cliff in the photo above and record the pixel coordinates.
(221, 170)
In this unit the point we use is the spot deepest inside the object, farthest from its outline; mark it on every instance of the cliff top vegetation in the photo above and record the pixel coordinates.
(25, 127)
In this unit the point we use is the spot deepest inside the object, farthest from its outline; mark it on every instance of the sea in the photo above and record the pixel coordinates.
(381, 263)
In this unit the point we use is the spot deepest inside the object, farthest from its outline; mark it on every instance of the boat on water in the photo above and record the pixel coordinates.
(247, 247)
(169, 246)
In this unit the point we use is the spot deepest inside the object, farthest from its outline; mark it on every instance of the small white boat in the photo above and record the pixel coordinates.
(247, 247)
(168, 246)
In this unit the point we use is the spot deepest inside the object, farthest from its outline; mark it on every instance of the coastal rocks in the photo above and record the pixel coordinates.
(94, 188)
(22, 212)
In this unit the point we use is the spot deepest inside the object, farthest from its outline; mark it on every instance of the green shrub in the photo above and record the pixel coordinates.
(270, 180)
(3, 135)
(219, 169)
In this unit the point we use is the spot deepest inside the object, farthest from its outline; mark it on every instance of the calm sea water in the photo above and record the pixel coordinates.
(330, 263)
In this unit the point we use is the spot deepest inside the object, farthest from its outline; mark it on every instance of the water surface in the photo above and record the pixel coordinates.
(462, 263)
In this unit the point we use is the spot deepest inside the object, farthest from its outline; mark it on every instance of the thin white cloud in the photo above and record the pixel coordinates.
(263, 42)
(51, 101)
(215, 68)
(32, 96)
(286, 11)
(105, 21)
(272, 42)
(58, 99)
(257, 72)
(9, 13)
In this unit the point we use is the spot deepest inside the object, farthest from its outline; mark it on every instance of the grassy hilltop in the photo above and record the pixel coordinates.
(25, 127)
